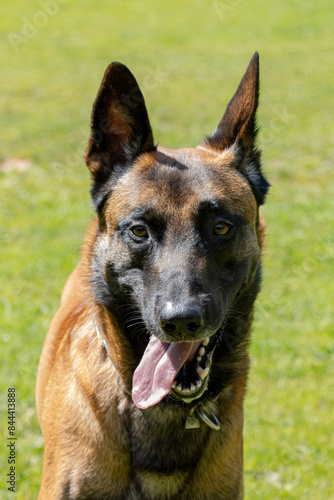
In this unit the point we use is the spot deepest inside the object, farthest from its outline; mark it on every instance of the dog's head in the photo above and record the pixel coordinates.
(177, 257)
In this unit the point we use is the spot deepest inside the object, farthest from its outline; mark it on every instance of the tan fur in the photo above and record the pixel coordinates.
(76, 367)
(98, 444)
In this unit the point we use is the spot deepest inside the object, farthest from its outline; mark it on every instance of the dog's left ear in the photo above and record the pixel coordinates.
(238, 127)
(120, 128)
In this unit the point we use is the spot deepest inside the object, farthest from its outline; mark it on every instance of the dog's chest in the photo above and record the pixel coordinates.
(164, 452)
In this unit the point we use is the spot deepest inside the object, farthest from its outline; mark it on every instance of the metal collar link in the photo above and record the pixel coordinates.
(198, 412)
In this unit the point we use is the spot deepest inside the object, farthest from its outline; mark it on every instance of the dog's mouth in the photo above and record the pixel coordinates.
(180, 369)
(192, 379)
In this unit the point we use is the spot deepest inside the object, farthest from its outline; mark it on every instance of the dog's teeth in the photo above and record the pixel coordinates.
(201, 351)
(206, 341)
(199, 358)
(192, 387)
(186, 389)
(174, 384)
(202, 372)
(198, 384)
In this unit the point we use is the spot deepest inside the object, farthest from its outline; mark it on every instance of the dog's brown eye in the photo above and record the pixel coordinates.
(139, 231)
(221, 228)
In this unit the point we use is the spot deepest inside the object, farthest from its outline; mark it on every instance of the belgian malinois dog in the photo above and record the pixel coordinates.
(143, 372)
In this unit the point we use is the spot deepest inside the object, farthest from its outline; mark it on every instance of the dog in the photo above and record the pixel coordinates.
(143, 371)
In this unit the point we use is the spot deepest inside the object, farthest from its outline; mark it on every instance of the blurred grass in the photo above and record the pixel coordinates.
(188, 58)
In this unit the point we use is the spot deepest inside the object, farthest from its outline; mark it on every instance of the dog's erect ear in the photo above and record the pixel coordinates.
(120, 128)
(238, 122)
(238, 127)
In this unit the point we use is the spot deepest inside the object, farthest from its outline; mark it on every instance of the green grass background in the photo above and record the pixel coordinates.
(188, 57)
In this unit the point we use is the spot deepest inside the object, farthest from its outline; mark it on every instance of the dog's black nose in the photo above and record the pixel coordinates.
(181, 320)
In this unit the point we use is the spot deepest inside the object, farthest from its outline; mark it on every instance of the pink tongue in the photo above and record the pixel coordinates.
(155, 374)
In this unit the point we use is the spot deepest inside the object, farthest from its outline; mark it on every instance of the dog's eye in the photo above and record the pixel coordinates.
(139, 231)
(221, 228)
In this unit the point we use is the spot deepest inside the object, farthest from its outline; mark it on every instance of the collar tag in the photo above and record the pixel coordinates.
(192, 422)
(197, 413)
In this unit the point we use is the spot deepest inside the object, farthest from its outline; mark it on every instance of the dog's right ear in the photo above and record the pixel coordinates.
(120, 128)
